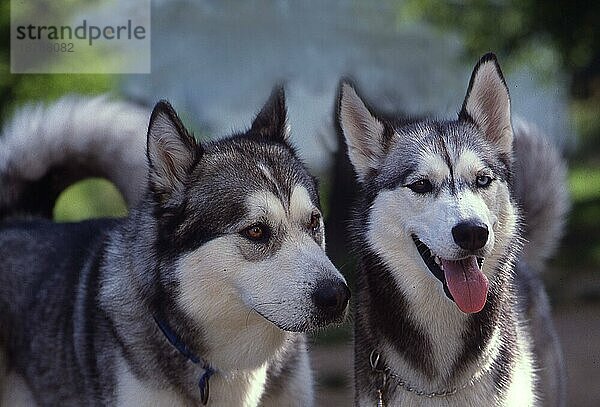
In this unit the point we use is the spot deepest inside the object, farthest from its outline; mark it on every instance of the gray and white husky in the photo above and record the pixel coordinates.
(199, 296)
(448, 312)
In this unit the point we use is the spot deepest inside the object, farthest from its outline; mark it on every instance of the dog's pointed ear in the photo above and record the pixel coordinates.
(271, 122)
(487, 103)
(171, 152)
(363, 132)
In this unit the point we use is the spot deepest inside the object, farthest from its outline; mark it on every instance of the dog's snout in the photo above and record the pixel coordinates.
(331, 297)
(470, 235)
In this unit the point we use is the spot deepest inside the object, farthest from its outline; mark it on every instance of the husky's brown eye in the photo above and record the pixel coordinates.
(258, 232)
(315, 222)
(421, 186)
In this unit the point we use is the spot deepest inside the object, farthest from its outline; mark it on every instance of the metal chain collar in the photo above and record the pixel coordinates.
(386, 374)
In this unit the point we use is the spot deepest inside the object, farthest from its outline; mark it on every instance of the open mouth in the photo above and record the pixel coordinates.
(462, 279)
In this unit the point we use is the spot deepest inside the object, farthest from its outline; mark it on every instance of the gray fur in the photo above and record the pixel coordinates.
(504, 353)
(78, 301)
(74, 138)
(540, 173)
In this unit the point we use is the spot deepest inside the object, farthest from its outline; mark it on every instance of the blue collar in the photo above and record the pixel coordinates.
(178, 344)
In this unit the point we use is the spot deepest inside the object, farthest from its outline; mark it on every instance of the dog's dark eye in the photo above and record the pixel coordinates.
(421, 186)
(257, 233)
(315, 222)
(483, 181)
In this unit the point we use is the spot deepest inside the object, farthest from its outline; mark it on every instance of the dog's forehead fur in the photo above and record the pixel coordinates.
(438, 149)
(241, 166)
(233, 170)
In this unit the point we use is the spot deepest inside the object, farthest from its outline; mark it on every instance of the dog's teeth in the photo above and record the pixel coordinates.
(437, 261)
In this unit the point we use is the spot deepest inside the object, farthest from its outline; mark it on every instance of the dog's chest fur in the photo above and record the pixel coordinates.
(244, 389)
(473, 390)
(433, 354)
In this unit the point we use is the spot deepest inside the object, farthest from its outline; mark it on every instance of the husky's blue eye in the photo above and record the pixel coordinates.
(421, 186)
(483, 181)
(257, 233)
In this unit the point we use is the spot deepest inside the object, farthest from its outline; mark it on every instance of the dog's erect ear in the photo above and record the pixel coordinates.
(171, 152)
(487, 103)
(271, 123)
(364, 133)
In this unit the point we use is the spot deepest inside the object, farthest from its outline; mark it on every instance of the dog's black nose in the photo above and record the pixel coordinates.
(470, 235)
(331, 297)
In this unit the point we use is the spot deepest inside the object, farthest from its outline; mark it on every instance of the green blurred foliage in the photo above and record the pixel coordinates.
(88, 199)
(585, 114)
(509, 26)
(581, 251)
(584, 183)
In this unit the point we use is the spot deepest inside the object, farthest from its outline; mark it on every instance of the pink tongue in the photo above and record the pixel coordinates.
(467, 284)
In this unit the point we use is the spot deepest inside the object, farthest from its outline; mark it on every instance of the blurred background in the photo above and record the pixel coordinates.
(217, 60)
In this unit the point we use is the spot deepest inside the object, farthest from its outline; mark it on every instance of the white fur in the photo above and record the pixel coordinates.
(523, 381)
(242, 389)
(301, 206)
(264, 204)
(131, 391)
(238, 337)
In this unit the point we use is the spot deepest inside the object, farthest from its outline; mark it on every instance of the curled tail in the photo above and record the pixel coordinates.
(540, 187)
(44, 149)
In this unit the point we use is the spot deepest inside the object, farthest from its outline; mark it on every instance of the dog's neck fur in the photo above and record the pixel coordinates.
(432, 346)
(240, 359)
